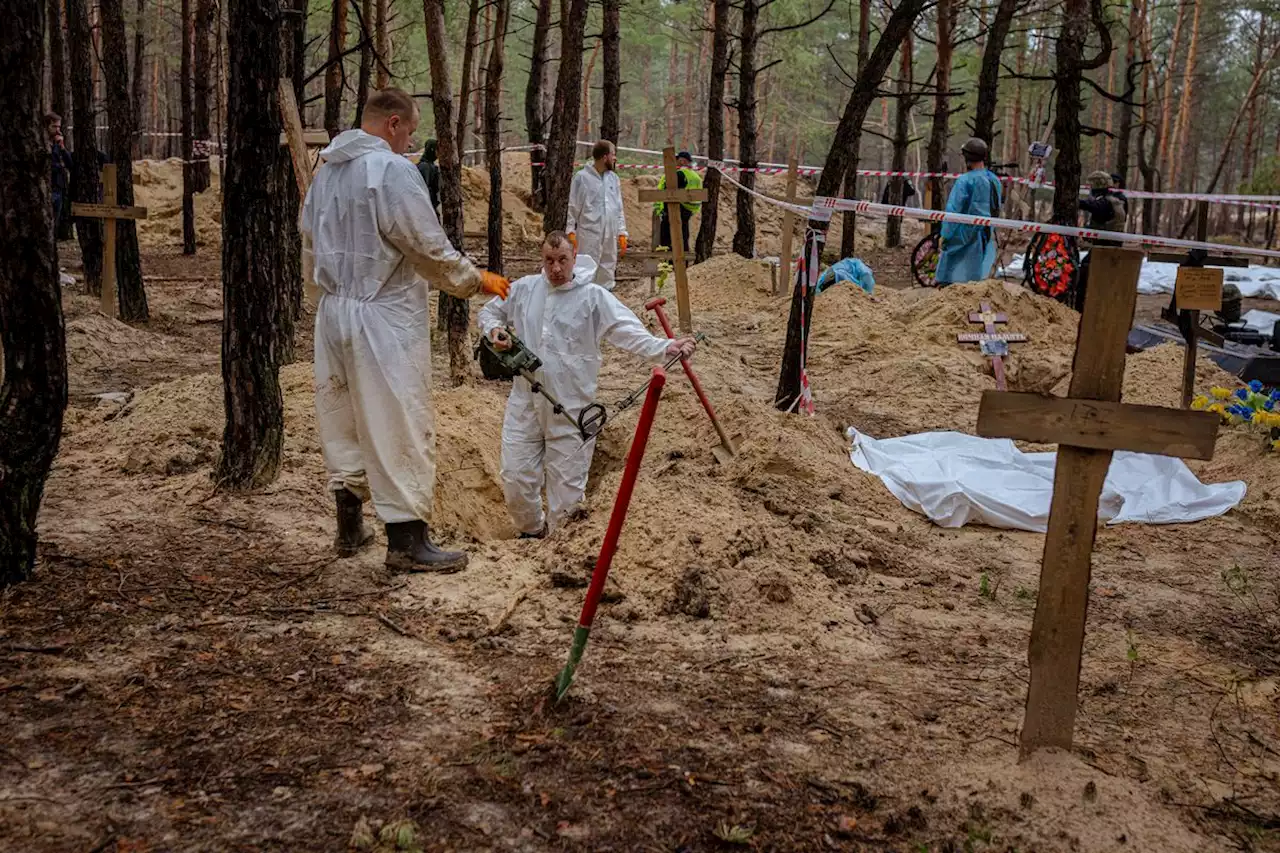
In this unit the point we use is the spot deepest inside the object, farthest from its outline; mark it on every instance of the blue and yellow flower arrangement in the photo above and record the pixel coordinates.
(1252, 405)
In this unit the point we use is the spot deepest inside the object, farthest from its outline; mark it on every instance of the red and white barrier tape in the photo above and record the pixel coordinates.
(824, 207)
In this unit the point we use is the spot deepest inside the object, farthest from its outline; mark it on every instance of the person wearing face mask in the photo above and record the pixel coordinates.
(562, 317)
(597, 224)
(372, 246)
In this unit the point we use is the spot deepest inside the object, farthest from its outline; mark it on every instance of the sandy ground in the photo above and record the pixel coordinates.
(788, 660)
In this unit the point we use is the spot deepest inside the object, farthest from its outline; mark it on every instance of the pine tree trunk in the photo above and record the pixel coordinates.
(706, 242)
(33, 374)
(841, 160)
(561, 149)
(849, 185)
(984, 118)
(940, 129)
(610, 111)
(86, 177)
(1166, 101)
(464, 94)
(586, 91)
(1182, 126)
(534, 121)
(135, 93)
(1068, 73)
(202, 74)
(298, 56)
(57, 62)
(1125, 133)
(493, 132)
(744, 239)
(115, 46)
(454, 309)
(188, 150)
(901, 139)
(254, 277)
(382, 46)
(366, 61)
(477, 85)
(288, 200)
(333, 75)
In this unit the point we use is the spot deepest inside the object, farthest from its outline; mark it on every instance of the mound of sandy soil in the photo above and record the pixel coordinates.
(157, 186)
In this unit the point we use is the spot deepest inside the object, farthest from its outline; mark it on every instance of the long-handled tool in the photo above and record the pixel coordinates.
(616, 519)
(726, 449)
(522, 361)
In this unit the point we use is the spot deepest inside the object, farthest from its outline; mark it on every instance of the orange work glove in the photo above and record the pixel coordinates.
(622, 245)
(494, 284)
(573, 238)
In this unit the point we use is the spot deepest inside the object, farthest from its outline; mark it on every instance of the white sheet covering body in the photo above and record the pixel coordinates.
(956, 479)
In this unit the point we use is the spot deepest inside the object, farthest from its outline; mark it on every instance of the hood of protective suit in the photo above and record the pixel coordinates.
(351, 144)
(584, 272)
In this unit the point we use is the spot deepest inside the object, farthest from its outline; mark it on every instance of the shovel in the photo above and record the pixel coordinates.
(725, 450)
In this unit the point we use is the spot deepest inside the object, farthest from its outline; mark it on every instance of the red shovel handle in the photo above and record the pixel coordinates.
(655, 305)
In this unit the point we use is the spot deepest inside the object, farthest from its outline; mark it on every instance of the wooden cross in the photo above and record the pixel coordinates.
(296, 137)
(1087, 425)
(1188, 321)
(788, 224)
(671, 198)
(109, 212)
(993, 342)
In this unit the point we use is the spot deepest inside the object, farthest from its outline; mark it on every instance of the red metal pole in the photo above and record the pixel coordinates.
(610, 544)
(655, 305)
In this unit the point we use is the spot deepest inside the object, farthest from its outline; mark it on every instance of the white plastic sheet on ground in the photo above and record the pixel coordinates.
(1159, 276)
(956, 479)
(1260, 321)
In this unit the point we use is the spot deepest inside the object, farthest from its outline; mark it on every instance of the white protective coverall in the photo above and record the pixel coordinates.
(563, 326)
(373, 237)
(596, 219)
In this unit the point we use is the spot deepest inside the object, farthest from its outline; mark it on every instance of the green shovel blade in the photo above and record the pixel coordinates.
(565, 678)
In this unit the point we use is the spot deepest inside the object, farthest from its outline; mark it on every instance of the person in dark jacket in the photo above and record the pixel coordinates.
(430, 171)
(60, 176)
(1107, 211)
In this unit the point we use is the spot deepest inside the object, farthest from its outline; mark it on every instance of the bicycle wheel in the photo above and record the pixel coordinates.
(924, 261)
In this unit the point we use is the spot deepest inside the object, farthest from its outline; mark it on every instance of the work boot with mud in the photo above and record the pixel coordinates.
(353, 533)
(409, 549)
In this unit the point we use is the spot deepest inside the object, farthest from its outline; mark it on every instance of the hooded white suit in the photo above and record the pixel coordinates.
(563, 326)
(596, 219)
(370, 237)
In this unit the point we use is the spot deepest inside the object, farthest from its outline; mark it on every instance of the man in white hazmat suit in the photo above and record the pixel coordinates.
(597, 224)
(370, 238)
(562, 316)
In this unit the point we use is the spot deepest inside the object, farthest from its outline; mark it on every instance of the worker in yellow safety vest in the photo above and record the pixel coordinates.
(686, 178)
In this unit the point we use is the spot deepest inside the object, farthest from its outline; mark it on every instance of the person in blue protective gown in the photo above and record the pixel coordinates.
(969, 251)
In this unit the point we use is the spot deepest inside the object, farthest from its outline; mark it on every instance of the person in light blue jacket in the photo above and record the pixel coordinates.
(969, 251)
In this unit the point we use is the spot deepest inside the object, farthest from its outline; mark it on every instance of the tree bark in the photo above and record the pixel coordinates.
(188, 150)
(849, 186)
(366, 61)
(135, 92)
(984, 118)
(202, 75)
(57, 62)
(586, 90)
(744, 239)
(561, 149)
(382, 46)
(1166, 100)
(534, 121)
(86, 177)
(611, 110)
(254, 276)
(1125, 133)
(115, 46)
(33, 373)
(706, 242)
(901, 139)
(464, 94)
(454, 310)
(940, 130)
(333, 76)
(669, 108)
(1066, 126)
(842, 160)
(493, 132)
(1182, 125)
(477, 87)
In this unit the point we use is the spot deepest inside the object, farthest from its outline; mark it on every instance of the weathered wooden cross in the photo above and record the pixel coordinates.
(296, 137)
(1087, 425)
(109, 212)
(993, 342)
(671, 198)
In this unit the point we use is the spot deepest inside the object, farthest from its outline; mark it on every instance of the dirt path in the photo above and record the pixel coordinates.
(790, 660)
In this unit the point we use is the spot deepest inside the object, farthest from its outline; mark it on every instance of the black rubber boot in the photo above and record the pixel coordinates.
(409, 549)
(353, 533)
